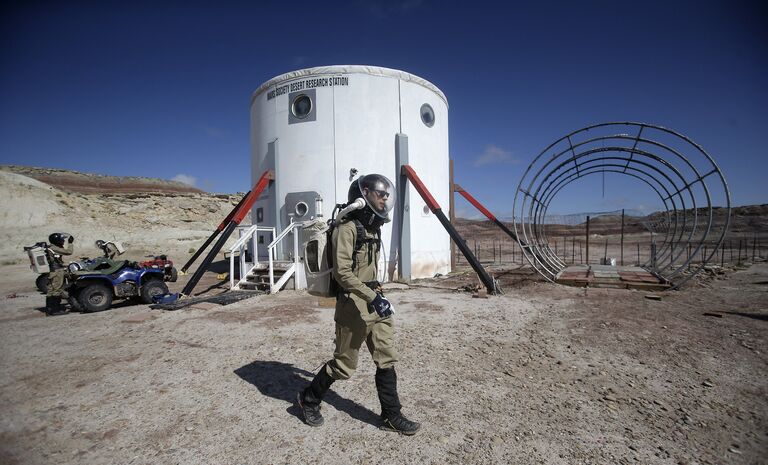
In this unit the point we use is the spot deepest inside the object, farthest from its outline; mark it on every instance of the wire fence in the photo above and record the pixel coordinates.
(634, 250)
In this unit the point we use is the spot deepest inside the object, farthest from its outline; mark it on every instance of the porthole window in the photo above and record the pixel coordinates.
(427, 115)
(301, 106)
(301, 209)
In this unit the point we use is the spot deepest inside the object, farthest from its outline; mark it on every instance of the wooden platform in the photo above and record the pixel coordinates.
(619, 277)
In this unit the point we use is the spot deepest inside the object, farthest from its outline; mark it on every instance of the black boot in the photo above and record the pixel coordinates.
(391, 418)
(53, 306)
(309, 399)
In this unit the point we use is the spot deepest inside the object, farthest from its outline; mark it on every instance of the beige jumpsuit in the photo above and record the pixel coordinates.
(56, 278)
(355, 322)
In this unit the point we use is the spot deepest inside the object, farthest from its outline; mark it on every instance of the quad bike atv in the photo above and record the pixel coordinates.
(93, 284)
(158, 262)
(95, 290)
(162, 262)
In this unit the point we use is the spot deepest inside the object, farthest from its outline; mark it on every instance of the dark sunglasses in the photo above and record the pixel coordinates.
(383, 194)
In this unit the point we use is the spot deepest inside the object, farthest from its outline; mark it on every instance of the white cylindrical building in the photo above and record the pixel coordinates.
(320, 128)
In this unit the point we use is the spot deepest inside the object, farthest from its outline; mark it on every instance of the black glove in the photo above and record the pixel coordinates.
(381, 306)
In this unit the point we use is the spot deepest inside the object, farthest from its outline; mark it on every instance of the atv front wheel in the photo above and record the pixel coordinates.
(152, 288)
(95, 298)
(42, 283)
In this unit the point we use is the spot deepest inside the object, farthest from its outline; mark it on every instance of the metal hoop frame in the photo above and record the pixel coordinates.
(672, 165)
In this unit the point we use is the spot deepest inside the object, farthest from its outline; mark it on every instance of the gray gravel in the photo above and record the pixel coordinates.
(543, 374)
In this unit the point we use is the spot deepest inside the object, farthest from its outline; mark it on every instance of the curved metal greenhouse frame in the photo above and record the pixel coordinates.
(685, 178)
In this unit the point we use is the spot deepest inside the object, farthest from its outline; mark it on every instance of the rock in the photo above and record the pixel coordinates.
(707, 383)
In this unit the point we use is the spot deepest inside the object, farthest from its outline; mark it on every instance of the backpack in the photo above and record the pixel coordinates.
(318, 255)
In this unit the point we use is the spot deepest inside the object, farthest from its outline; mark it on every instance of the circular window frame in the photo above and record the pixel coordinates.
(427, 109)
(293, 106)
(301, 206)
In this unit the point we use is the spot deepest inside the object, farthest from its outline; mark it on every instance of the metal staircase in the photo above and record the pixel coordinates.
(255, 275)
(258, 277)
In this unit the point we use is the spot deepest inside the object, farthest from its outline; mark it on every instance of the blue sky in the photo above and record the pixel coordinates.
(162, 89)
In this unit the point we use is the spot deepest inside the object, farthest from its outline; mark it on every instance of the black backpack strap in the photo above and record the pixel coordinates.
(359, 241)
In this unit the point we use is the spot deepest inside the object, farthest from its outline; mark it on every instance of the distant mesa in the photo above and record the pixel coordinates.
(87, 183)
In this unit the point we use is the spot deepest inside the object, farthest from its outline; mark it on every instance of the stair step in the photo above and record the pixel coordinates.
(277, 265)
(263, 274)
(254, 286)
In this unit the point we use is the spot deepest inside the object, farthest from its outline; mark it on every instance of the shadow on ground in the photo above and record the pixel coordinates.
(754, 316)
(116, 305)
(283, 381)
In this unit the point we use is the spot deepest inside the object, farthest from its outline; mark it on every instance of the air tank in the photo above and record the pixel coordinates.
(320, 128)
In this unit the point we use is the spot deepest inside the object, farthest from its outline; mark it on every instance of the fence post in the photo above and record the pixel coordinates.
(672, 254)
(722, 254)
(587, 245)
(622, 238)
(754, 240)
(573, 250)
(689, 256)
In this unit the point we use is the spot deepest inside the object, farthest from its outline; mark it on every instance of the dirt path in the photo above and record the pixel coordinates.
(542, 374)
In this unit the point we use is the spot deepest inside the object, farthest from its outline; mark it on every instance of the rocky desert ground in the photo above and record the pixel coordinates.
(541, 374)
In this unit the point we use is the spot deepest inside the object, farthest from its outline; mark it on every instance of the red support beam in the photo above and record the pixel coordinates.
(490, 283)
(474, 202)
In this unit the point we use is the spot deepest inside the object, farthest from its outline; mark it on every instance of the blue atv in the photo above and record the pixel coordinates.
(94, 289)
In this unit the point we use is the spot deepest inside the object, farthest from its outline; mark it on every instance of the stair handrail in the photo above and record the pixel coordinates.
(271, 254)
(297, 268)
(238, 246)
(282, 234)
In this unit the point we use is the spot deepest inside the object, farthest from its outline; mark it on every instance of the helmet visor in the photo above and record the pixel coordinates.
(378, 192)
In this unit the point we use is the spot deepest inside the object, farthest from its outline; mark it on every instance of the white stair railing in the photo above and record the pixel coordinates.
(296, 268)
(245, 267)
